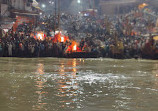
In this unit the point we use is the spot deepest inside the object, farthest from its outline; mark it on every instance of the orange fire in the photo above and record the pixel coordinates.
(60, 38)
(73, 47)
(40, 36)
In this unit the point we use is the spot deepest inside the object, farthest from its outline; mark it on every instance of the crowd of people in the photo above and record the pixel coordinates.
(109, 36)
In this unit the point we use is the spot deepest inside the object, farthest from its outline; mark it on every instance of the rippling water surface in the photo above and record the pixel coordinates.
(51, 84)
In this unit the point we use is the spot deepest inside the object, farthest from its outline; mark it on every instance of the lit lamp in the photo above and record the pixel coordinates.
(79, 1)
(43, 5)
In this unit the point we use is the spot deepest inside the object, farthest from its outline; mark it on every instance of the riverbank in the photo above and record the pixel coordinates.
(81, 57)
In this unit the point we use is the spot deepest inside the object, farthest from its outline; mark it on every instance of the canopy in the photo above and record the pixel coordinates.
(141, 6)
(35, 4)
(155, 38)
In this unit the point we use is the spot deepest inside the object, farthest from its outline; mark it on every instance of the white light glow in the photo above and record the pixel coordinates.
(75, 47)
(62, 39)
(40, 36)
(6, 30)
(78, 1)
(43, 5)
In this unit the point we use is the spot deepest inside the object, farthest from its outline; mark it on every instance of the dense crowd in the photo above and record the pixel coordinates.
(118, 37)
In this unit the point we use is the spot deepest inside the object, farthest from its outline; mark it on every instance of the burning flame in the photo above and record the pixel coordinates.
(62, 39)
(75, 47)
(40, 36)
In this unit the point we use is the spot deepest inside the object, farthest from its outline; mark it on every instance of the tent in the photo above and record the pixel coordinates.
(155, 38)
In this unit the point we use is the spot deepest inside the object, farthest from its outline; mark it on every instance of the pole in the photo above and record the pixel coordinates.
(93, 7)
(55, 17)
(59, 14)
(0, 21)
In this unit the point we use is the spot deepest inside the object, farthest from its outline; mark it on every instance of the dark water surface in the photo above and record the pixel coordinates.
(51, 84)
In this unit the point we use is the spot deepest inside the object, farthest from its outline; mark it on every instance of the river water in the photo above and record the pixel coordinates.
(51, 84)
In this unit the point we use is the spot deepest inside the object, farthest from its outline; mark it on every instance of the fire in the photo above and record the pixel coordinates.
(75, 47)
(62, 39)
(40, 36)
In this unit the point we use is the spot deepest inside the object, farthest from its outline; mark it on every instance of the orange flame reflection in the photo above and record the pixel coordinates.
(67, 86)
(40, 85)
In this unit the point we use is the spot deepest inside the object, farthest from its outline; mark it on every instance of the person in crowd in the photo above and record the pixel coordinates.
(10, 48)
(1, 48)
(96, 34)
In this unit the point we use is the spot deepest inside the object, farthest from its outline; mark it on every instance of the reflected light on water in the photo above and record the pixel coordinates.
(74, 67)
(74, 85)
(40, 69)
(155, 71)
(61, 70)
(155, 78)
(67, 85)
(40, 85)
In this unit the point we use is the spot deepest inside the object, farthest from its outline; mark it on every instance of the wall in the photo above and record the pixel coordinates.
(18, 4)
(21, 5)
(115, 7)
(4, 10)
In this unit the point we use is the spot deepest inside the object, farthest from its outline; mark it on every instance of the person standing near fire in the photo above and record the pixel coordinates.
(1, 49)
(10, 47)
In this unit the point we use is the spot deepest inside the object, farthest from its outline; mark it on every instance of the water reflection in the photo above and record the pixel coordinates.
(39, 79)
(155, 73)
(67, 84)
(77, 84)
(155, 70)
(74, 66)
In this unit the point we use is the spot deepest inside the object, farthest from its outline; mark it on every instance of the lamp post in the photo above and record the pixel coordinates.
(78, 4)
(93, 7)
(59, 14)
(0, 21)
(43, 6)
(55, 15)
(78, 1)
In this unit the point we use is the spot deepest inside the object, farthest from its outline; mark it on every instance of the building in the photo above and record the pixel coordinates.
(15, 12)
(112, 7)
